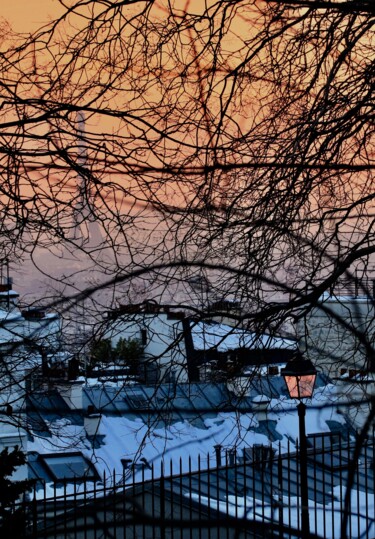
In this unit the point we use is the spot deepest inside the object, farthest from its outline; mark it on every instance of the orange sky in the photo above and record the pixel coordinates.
(28, 15)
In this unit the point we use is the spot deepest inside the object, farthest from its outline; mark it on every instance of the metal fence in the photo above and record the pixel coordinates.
(249, 493)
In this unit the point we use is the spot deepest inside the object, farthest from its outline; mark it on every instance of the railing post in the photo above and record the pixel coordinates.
(105, 501)
(162, 501)
(280, 488)
(153, 511)
(181, 515)
(35, 513)
(305, 522)
(218, 448)
(114, 506)
(171, 508)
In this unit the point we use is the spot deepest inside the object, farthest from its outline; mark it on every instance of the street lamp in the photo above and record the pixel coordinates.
(300, 375)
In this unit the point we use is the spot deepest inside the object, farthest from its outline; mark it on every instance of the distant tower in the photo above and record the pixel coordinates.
(8, 297)
(86, 230)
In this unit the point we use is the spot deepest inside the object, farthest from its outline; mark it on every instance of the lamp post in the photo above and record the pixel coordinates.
(300, 375)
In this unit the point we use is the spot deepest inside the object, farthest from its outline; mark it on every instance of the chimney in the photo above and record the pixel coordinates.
(71, 392)
(92, 424)
(232, 457)
(260, 405)
(218, 454)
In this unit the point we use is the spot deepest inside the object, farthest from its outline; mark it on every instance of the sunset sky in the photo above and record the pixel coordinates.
(187, 114)
(28, 15)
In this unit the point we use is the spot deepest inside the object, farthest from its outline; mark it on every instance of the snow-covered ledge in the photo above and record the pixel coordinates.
(10, 436)
(71, 392)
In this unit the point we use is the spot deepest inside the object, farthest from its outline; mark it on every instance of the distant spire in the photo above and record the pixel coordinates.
(35, 71)
(81, 131)
(86, 229)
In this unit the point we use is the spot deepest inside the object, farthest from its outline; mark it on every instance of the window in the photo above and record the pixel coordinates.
(144, 336)
(69, 466)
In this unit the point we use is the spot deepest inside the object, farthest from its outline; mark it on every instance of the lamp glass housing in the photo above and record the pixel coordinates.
(300, 375)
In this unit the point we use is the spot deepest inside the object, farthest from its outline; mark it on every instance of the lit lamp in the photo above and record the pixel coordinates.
(300, 375)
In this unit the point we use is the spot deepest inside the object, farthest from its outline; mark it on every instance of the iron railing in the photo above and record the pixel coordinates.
(249, 493)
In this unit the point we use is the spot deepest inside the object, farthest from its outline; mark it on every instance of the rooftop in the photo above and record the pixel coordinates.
(207, 335)
(146, 424)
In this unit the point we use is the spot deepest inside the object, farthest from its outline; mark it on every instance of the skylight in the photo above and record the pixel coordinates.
(69, 466)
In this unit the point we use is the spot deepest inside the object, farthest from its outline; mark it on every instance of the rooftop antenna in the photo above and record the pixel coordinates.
(35, 72)
(80, 206)
(82, 157)
(81, 130)
(7, 283)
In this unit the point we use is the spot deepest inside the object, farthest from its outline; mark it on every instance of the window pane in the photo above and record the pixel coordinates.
(69, 466)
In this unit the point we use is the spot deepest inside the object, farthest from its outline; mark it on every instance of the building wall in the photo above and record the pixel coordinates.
(18, 357)
(45, 331)
(327, 334)
(162, 336)
(11, 435)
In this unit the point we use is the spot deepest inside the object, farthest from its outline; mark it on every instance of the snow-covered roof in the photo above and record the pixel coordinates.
(207, 335)
(173, 422)
(50, 316)
(327, 297)
(179, 447)
(10, 316)
(9, 294)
